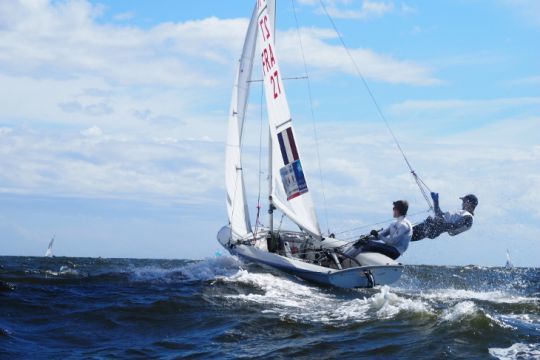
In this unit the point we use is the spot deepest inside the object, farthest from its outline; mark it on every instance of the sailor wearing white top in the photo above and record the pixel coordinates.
(398, 234)
(394, 240)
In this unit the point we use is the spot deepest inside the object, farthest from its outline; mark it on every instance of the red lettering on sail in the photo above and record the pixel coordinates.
(274, 79)
(263, 23)
(272, 59)
(265, 62)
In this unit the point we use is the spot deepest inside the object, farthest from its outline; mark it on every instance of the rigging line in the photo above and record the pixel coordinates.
(357, 68)
(377, 223)
(240, 146)
(260, 160)
(260, 145)
(312, 117)
(285, 78)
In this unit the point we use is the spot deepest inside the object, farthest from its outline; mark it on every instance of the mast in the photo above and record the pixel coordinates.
(271, 207)
(270, 203)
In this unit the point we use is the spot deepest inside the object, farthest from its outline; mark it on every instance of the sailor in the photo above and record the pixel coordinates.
(452, 223)
(394, 240)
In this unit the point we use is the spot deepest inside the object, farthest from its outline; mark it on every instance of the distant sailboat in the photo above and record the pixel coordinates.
(49, 252)
(509, 264)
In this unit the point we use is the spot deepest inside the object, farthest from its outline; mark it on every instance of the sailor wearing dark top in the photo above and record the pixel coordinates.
(394, 240)
(452, 223)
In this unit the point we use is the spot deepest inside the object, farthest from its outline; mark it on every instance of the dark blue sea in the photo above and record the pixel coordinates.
(220, 308)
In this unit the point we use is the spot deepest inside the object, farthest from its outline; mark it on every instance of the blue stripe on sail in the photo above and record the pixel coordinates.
(282, 147)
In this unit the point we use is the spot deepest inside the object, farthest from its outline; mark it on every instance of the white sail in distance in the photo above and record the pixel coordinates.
(509, 263)
(49, 253)
(290, 192)
(236, 195)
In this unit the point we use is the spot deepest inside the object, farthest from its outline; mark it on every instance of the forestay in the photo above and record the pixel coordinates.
(290, 192)
(236, 194)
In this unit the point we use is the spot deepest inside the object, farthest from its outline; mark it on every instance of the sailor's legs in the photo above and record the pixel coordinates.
(373, 246)
(431, 228)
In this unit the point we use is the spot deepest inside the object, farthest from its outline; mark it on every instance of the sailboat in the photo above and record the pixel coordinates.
(49, 252)
(509, 264)
(305, 253)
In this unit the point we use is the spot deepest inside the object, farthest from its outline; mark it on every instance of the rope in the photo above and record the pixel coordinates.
(312, 117)
(236, 171)
(419, 182)
(257, 222)
(373, 224)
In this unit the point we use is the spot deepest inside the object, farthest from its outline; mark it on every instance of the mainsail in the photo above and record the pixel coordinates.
(290, 192)
(49, 253)
(236, 194)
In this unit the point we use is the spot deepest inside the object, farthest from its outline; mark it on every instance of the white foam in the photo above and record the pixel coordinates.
(517, 351)
(302, 302)
(277, 290)
(211, 268)
(491, 296)
(207, 269)
(527, 321)
(389, 304)
(459, 311)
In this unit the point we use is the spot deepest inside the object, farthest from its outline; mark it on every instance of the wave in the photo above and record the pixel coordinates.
(517, 351)
(459, 311)
(298, 301)
(6, 286)
(495, 296)
(293, 299)
(59, 271)
(529, 323)
(204, 270)
(206, 308)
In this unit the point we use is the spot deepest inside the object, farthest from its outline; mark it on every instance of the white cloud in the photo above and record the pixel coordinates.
(362, 10)
(527, 10)
(368, 9)
(333, 58)
(135, 114)
(63, 40)
(5, 130)
(100, 166)
(528, 80)
(99, 109)
(471, 107)
(93, 131)
(407, 9)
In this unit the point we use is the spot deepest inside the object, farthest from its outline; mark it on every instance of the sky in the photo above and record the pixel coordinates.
(113, 120)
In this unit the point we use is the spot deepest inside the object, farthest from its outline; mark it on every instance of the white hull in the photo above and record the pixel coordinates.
(378, 269)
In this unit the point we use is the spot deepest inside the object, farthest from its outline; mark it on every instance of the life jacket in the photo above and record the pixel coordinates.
(455, 219)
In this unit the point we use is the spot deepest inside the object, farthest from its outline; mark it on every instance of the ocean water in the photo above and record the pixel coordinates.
(54, 308)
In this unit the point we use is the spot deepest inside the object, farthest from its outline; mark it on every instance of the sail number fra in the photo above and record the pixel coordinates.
(268, 59)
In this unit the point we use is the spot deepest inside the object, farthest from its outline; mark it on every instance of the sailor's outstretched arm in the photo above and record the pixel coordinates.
(436, 207)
